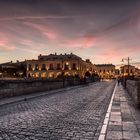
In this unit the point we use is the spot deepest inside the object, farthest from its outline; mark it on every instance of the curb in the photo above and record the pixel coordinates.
(107, 116)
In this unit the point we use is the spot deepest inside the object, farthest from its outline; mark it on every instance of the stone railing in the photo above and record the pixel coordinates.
(133, 88)
(10, 88)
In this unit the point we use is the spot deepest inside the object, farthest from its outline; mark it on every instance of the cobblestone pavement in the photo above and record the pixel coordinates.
(69, 115)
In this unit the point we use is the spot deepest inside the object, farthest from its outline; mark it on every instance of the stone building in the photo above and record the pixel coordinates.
(128, 69)
(137, 72)
(13, 70)
(54, 65)
(105, 71)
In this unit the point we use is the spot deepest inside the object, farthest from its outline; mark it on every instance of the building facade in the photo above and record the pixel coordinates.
(129, 70)
(137, 72)
(54, 65)
(105, 71)
(13, 70)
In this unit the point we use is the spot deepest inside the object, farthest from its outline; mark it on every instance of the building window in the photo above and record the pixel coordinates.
(30, 67)
(51, 67)
(58, 66)
(122, 71)
(43, 67)
(36, 67)
(126, 70)
(104, 71)
(74, 66)
(100, 71)
(66, 66)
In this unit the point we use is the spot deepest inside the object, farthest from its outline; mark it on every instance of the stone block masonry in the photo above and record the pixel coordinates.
(9, 88)
(133, 88)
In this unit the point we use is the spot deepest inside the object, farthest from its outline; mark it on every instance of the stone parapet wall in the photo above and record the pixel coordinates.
(133, 88)
(9, 88)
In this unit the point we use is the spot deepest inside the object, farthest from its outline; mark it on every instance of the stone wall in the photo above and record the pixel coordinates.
(133, 88)
(10, 88)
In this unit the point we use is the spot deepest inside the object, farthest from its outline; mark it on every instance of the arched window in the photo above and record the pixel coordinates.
(74, 66)
(36, 67)
(66, 66)
(43, 67)
(58, 66)
(51, 67)
(30, 67)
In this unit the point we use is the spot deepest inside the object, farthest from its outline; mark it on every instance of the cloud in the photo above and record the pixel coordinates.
(28, 50)
(26, 42)
(79, 42)
(5, 45)
(44, 30)
(114, 54)
(2, 42)
(35, 17)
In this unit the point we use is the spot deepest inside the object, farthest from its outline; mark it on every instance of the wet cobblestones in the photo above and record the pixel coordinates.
(69, 115)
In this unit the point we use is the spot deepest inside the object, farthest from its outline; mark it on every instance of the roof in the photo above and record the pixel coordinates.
(127, 66)
(11, 64)
(60, 56)
(104, 65)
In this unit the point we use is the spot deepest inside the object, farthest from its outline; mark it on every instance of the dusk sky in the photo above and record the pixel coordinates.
(102, 30)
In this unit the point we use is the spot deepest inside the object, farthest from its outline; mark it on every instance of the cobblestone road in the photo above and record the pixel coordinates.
(73, 114)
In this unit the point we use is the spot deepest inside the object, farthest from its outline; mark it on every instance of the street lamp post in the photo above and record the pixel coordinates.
(128, 61)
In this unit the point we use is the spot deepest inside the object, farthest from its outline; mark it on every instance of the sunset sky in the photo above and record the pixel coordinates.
(101, 30)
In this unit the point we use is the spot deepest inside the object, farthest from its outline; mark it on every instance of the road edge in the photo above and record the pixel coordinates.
(107, 116)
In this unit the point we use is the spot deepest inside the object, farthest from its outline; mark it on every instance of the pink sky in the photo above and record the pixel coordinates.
(102, 32)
